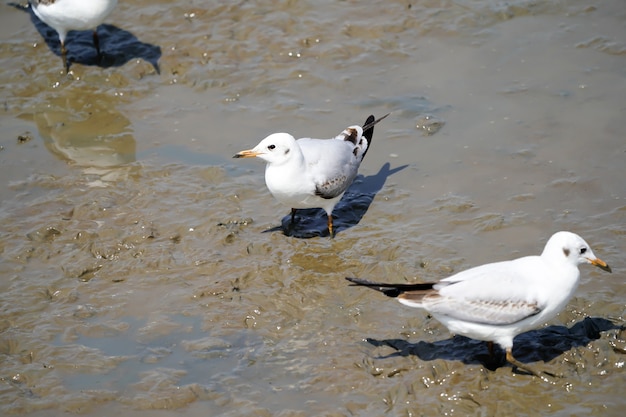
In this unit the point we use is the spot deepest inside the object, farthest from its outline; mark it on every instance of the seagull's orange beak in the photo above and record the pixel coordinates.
(246, 154)
(600, 264)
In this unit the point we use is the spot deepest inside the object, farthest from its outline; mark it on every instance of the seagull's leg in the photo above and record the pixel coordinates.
(289, 230)
(491, 361)
(64, 57)
(293, 217)
(330, 226)
(511, 359)
(96, 42)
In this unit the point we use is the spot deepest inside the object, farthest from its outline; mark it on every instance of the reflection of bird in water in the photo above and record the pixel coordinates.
(99, 141)
(310, 173)
(66, 15)
(497, 301)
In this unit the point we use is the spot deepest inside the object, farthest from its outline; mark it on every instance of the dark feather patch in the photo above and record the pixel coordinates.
(368, 127)
(368, 131)
(321, 193)
(395, 290)
(350, 135)
(566, 252)
(331, 188)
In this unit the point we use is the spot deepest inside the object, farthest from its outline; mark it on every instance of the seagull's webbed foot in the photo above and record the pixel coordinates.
(524, 367)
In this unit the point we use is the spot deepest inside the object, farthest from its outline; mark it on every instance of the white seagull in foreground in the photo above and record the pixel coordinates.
(66, 15)
(310, 173)
(497, 301)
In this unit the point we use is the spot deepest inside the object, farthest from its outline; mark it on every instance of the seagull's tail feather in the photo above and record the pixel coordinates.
(368, 128)
(360, 137)
(417, 291)
(368, 131)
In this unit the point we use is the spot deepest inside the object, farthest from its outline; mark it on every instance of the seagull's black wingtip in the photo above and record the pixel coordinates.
(368, 130)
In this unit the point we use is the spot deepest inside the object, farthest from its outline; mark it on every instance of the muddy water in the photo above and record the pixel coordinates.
(143, 271)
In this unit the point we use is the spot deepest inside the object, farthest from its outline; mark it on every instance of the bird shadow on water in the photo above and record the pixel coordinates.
(347, 213)
(117, 46)
(536, 345)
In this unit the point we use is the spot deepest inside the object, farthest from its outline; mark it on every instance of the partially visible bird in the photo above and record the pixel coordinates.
(309, 173)
(66, 15)
(495, 302)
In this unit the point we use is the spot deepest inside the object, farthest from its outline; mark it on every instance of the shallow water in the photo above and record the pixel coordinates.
(144, 271)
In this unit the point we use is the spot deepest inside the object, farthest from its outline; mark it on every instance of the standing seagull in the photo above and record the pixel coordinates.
(66, 15)
(309, 173)
(497, 301)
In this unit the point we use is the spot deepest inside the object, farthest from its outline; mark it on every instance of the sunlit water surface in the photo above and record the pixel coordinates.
(143, 271)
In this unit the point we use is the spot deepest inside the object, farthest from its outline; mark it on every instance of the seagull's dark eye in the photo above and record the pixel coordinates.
(271, 147)
(583, 250)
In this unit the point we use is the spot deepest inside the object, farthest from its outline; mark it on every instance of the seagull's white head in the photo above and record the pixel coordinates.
(277, 149)
(572, 249)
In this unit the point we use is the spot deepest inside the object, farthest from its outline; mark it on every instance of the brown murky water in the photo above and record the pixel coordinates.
(143, 271)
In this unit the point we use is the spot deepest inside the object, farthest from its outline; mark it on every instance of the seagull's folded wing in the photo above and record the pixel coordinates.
(478, 310)
(499, 293)
(331, 165)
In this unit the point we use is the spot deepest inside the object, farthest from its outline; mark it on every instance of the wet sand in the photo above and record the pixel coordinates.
(144, 271)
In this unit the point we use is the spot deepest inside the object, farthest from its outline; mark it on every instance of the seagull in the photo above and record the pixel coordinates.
(497, 301)
(66, 15)
(309, 173)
